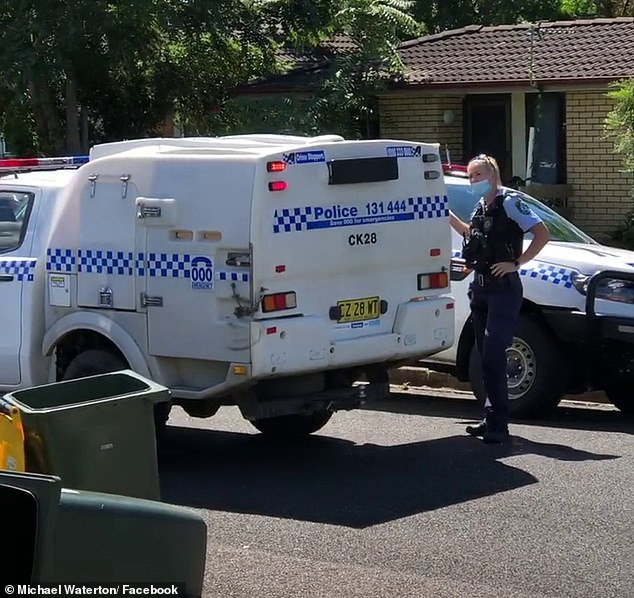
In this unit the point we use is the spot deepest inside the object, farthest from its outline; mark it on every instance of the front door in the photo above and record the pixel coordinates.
(16, 269)
(488, 130)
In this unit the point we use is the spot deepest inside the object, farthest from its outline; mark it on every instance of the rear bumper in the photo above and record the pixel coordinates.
(291, 346)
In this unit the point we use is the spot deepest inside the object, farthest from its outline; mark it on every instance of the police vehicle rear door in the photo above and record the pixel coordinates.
(347, 231)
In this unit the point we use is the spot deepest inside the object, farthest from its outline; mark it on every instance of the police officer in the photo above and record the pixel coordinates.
(493, 248)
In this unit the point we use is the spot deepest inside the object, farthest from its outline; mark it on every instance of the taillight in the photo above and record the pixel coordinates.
(275, 166)
(433, 280)
(279, 301)
(277, 185)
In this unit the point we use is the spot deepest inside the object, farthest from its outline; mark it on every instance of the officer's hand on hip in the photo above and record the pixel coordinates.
(503, 268)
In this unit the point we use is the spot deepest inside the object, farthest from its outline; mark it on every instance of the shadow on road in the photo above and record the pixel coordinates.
(468, 410)
(334, 481)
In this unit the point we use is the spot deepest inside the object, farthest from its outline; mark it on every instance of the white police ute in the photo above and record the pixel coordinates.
(576, 329)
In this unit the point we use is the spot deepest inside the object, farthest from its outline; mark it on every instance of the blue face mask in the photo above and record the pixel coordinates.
(480, 188)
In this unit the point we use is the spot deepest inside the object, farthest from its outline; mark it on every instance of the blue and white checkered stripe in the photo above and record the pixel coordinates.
(233, 276)
(168, 265)
(20, 269)
(121, 263)
(106, 262)
(430, 207)
(60, 260)
(546, 272)
(553, 274)
(288, 219)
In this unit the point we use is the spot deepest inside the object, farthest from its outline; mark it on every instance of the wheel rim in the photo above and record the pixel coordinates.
(521, 368)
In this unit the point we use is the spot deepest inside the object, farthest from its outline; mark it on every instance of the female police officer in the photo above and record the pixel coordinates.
(493, 248)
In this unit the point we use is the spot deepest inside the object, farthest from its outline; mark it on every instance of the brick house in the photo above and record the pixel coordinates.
(482, 89)
(502, 90)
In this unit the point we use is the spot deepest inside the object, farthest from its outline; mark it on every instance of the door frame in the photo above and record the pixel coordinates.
(490, 100)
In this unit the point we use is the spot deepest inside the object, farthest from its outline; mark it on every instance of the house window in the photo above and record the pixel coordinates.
(546, 112)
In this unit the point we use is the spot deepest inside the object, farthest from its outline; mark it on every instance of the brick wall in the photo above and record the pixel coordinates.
(421, 118)
(602, 192)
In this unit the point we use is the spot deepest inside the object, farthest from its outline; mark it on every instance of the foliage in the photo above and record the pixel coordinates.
(619, 125)
(344, 102)
(82, 71)
(441, 15)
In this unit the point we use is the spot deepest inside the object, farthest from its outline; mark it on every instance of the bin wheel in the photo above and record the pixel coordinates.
(98, 361)
(288, 427)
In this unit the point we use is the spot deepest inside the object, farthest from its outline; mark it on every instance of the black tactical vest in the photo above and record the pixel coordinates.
(494, 237)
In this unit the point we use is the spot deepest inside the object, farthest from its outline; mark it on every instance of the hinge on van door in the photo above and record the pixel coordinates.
(147, 301)
(124, 178)
(93, 183)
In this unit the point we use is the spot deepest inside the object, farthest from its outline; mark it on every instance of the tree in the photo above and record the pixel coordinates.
(442, 15)
(124, 65)
(619, 125)
(358, 40)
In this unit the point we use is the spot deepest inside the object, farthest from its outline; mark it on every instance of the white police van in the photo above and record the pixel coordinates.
(268, 272)
(576, 330)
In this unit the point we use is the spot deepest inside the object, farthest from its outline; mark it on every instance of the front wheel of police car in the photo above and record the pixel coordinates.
(536, 367)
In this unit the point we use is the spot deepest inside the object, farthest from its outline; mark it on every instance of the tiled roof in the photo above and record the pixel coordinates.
(591, 50)
(305, 70)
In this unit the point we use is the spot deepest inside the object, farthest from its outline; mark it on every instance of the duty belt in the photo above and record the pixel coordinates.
(488, 279)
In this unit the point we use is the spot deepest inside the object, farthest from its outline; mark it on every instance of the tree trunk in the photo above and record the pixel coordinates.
(85, 138)
(73, 145)
(49, 130)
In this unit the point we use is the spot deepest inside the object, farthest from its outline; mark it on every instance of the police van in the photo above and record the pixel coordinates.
(270, 272)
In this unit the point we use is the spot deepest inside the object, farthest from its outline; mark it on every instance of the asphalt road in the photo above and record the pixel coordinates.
(396, 501)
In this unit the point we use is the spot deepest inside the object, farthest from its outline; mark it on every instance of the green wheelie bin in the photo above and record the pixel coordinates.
(96, 433)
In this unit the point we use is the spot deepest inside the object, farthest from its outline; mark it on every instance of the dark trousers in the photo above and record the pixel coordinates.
(495, 307)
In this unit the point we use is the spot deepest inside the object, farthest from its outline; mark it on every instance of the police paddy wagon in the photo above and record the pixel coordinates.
(281, 274)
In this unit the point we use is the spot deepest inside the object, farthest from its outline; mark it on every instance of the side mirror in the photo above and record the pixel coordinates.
(69, 536)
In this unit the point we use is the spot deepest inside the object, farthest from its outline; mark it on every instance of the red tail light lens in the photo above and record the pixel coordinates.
(277, 186)
(275, 166)
(279, 301)
(433, 280)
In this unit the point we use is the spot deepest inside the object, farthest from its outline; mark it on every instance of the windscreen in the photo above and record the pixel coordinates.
(462, 202)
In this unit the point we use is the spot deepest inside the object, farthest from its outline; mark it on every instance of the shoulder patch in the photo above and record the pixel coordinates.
(522, 207)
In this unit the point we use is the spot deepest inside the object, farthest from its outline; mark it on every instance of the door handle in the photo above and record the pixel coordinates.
(6, 277)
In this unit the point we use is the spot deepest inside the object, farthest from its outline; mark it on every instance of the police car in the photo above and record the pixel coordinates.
(270, 272)
(576, 330)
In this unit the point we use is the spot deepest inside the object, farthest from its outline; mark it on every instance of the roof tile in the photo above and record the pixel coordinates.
(554, 51)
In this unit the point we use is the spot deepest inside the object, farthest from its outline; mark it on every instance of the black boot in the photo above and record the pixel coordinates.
(477, 430)
(492, 437)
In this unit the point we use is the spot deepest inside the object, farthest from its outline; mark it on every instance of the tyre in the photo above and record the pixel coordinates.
(99, 361)
(93, 362)
(621, 397)
(536, 370)
(288, 427)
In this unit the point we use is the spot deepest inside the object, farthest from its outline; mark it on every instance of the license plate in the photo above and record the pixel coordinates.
(357, 310)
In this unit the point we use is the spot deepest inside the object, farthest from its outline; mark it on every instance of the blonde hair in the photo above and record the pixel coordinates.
(490, 163)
